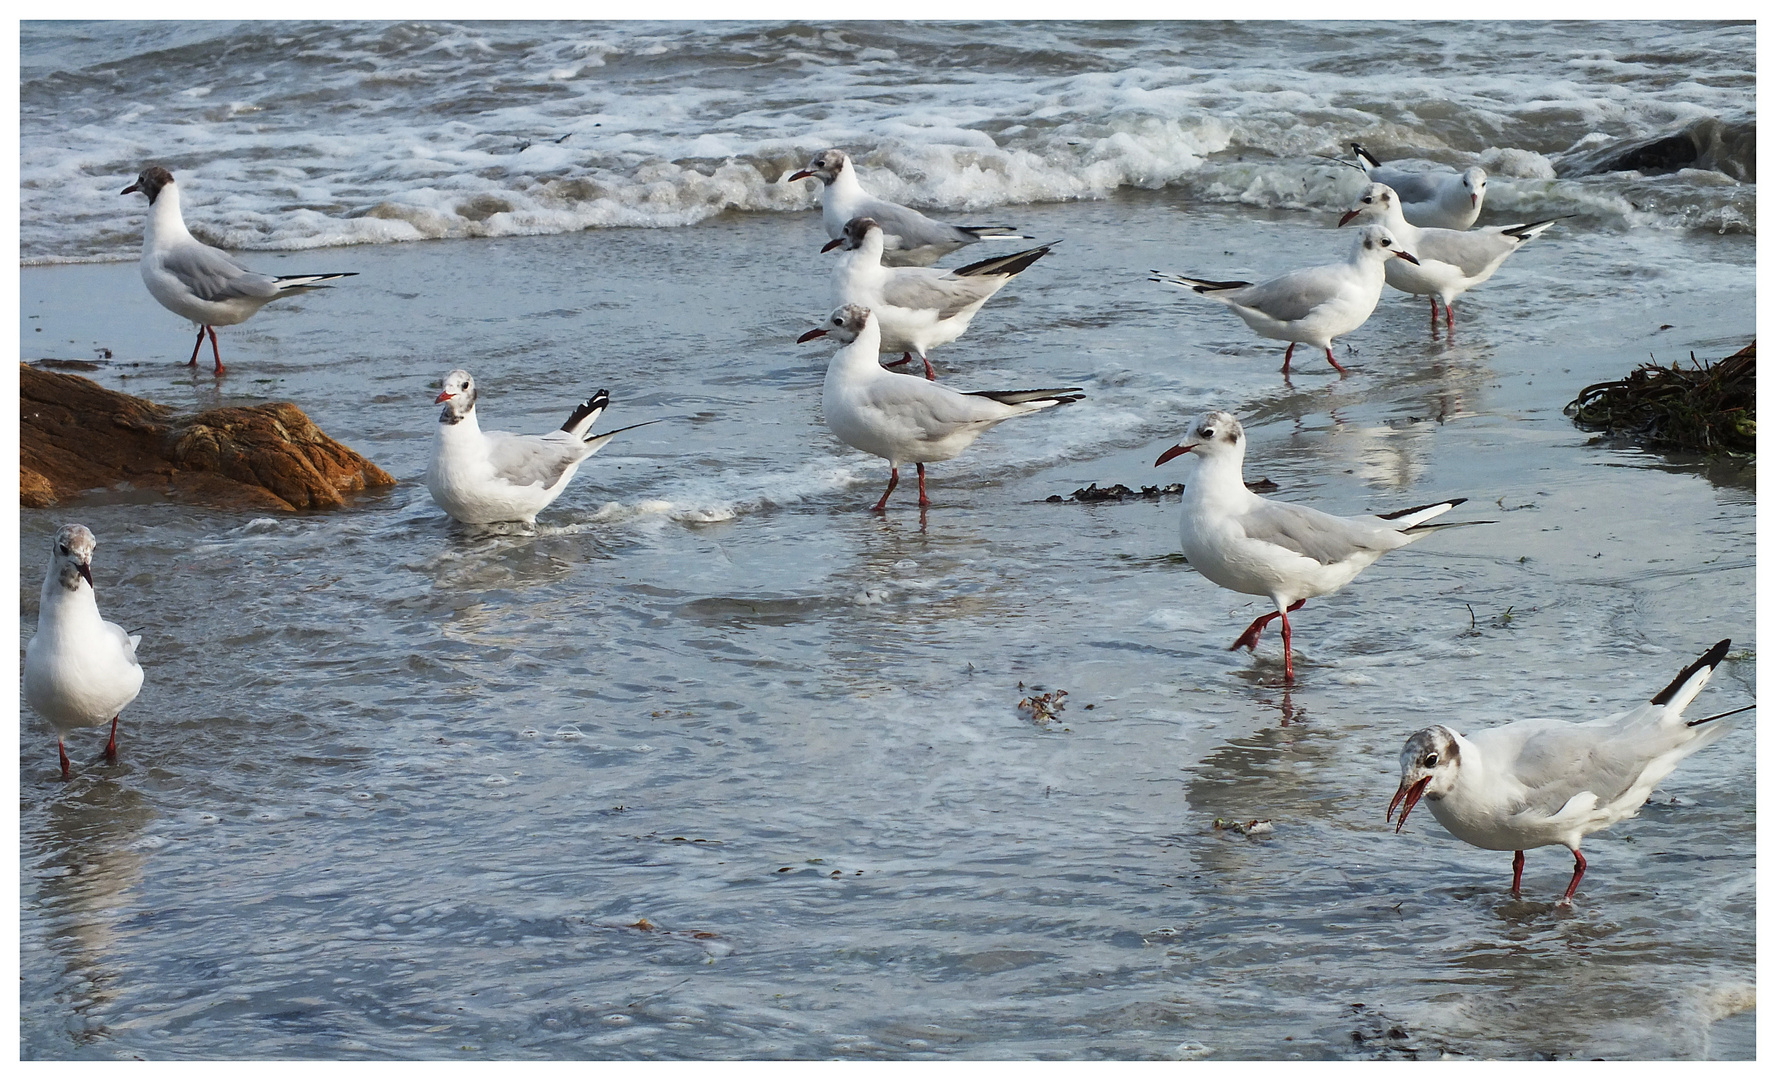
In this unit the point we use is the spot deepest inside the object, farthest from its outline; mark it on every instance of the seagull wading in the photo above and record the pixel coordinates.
(80, 670)
(1431, 200)
(903, 417)
(1247, 543)
(1533, 783)
(912, 238)
(190, 278)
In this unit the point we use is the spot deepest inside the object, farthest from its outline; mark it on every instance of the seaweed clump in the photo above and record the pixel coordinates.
(1709, 408)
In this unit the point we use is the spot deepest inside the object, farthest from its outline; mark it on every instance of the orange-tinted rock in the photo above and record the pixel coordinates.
(75, 435)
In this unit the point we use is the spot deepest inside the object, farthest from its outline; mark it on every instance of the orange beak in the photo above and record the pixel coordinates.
(1176, 451)
(818, 331)
(444, 396)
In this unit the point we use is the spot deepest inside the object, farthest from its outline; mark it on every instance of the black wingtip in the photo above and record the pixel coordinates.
(1005, 265)
(1408, 511)
(1709, 659)
(1363, 154)
(590, 405)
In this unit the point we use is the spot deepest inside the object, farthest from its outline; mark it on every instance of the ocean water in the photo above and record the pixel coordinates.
(716, 763)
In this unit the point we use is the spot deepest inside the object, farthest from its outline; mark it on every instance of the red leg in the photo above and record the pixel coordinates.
(1286, 357)
(67, 773)
(214, 348)
(1249, 638)
(930, 373)
(922, 500)
(893, 480)
(1449, 310)
(1287, 649)
(1516, 875)
(1578, 867)
(1340, 368)
(907, 359)
(111, 747)
(197, 348)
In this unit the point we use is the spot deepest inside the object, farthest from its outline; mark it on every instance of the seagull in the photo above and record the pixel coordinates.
(1449, 261)
(1432, 200)
(80, 670)
(479, 477)
(1531, 783)
(924, 241)
(1310, 306)
(918, 308)
(903, 417)
(1250, 544)
(190, 278)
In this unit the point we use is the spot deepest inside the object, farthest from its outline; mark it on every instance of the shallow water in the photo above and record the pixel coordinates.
(715, 763)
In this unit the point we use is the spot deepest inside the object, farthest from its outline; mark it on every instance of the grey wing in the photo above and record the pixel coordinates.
(1555, 760)
(925, 289)
(934, 410)
(523, 460)
(1472, 252)
(1293, 295)
(124, 641)
(1412, 187)
(212, 274)
(912, 227)
(1323, 537)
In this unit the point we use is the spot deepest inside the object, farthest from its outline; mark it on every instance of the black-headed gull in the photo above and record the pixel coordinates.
(1314, 305)
(1431, 200)
(917, 308)
(1449, 261)
(80, 670)
(910, 235)
(204, 284)
(1247, 543)
(1532, 783)
(902, 417)
(480, 477)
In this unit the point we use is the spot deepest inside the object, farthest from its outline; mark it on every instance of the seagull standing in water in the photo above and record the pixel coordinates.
(80, 670)
(1249, 544)
(1431, 200)
(479, 477)
(1533, 783)
(917, 308)
(903, 417)
(1310, 306)
(908, 234)
(1449, 262)
(204, 284)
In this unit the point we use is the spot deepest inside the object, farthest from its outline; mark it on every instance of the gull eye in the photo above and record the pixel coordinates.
(1430, 761)
(64, 548)
(1368, 198)
(1207, 433)
(1386, 243)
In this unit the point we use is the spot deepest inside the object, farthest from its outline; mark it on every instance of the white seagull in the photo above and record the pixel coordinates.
(917, 308)
(1250, 544)
(1532, 783)
(190, 278)
(912, 237)
(80, 670)
(1449, 261)
(903, 417)
(479, 477)
(1432, 200)
(1313, 305)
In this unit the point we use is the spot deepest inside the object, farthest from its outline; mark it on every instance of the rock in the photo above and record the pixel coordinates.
(75, 435)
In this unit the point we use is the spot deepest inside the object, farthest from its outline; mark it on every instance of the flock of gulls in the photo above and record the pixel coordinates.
(1526, 784)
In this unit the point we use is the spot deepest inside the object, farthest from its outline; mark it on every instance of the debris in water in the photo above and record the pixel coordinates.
(1043, 707)
(1119, 492)
(1254, 827)
(1709, 408)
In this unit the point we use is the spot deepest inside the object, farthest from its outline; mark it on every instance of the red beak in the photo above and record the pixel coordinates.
(444, 396)
(1176, 451)
(1476, 198)
(802, 175)
(86, 572)
(1408, 257)
(1346, 219)
(132, 187)
(818, 331)
(831, 244)
(1411, 796)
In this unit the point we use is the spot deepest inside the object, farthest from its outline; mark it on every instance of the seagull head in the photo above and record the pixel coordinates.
(1473, 180)
(1375, 242)
(1427, 767)
(1211, 435)
(844, 323)
(826, 165)
(457, 397)
(856, 234)
(71, 557)
(1377, 203)
(149, 183)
